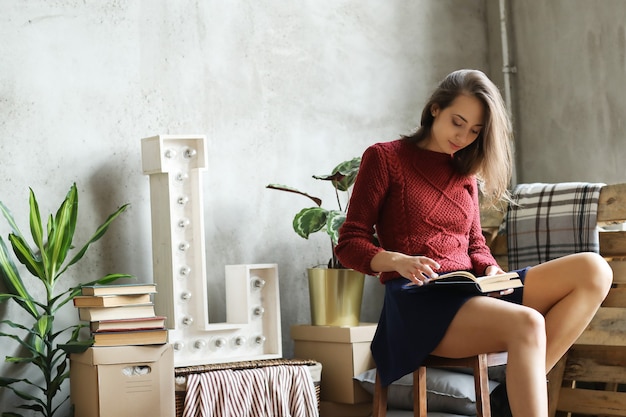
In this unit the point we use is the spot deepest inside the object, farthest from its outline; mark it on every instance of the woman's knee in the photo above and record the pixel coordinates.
(595, 273)
(528, 326)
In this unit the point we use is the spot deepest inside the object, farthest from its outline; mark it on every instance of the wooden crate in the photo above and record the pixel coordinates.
(590, 378)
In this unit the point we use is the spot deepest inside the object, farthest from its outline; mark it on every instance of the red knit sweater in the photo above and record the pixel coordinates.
(417, 205)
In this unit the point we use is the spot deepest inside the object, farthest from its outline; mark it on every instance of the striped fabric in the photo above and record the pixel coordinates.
(550, 221)
(269, 391)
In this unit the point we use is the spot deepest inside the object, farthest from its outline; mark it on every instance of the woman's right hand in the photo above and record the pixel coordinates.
(417, 269)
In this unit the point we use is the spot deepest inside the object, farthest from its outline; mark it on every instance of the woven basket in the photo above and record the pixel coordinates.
(184, 371)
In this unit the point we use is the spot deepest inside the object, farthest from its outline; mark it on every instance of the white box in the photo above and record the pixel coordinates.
(123, 381)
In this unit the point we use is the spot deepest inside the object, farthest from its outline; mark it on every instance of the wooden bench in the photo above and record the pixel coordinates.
(587, 380)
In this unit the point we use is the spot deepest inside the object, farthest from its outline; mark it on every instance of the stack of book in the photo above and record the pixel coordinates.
(121, 315)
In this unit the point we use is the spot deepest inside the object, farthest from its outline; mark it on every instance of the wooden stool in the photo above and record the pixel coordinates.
(478, 363)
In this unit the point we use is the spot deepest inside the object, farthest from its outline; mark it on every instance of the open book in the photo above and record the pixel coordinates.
(466, 281)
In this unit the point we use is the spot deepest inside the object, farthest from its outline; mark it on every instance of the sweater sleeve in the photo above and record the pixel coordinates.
(479, 252)
(356, 246)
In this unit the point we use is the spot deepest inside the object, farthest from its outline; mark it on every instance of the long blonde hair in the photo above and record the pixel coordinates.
(489, 157)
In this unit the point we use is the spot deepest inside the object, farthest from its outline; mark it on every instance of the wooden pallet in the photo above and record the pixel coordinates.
(589, 379)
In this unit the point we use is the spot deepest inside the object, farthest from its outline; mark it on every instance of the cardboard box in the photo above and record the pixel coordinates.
(344, 353)
(330, 409)
(123, 381)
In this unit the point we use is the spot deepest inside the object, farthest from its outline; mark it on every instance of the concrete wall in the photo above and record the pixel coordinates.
(282, 90)
(571, 107)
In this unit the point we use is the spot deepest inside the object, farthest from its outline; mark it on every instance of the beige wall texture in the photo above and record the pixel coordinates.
(282, 90)
(571, 79)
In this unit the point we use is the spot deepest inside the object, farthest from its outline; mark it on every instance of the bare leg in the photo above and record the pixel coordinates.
(568, 292)
(486, 324)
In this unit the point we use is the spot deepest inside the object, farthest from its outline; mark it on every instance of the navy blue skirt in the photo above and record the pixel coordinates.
(412, 324)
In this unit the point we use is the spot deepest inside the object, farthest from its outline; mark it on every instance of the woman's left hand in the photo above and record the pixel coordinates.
(495, 270)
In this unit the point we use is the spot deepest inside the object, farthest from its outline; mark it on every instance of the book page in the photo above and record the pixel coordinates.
(500, 285)
(459, 275)
(498, 277)
(466, 277)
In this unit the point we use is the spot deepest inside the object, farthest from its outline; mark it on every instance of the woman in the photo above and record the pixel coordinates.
(419, 196)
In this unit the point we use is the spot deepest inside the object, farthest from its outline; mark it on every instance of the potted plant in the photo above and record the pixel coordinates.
(39, 338)
(336, 292)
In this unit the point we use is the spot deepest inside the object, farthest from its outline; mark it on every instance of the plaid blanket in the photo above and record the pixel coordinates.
(550, 221)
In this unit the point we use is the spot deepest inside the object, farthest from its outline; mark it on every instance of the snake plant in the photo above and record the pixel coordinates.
(314, 219)
(39, 340)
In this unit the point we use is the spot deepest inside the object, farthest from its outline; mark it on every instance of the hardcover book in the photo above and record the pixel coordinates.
(110, 300)
(118, 289)
(109, 313)
(466, 281)
(140, 323)
(129, 338)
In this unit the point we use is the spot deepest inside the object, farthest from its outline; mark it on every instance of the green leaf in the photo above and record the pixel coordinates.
(6, 381)
(41, 329)
(16, 325)
(35, 407)
(348, 171)
(5, 297)
(75, 333)
(36, 229)
(343, 175)
(9, 217)
(98, 234)
(20, 241)
(58, 356)
(76, 346)
(44, 324)
(107, 279)
(61, 375)
(18, 359)
(55, 304)
(62, 233)
(26, 256)
(309, 220)
(71, 414)
(33, 342)
(16, 298)
(14, 283)
(335, 219)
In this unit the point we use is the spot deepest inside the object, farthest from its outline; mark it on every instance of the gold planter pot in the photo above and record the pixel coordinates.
(336, 296)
